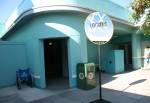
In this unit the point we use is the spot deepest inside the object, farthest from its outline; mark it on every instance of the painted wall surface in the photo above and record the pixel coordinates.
(62, 24)
(104, 51)
(121, 39)
(105, 6)
(53, 26)
(93, 55)
(92, 52)
(12, 57)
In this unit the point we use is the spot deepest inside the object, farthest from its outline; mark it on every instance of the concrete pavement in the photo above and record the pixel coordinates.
(129, 87)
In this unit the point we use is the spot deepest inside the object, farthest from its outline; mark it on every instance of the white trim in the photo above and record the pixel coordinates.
(74, 76)
(36, 76)
(58, 8)
(137, 57)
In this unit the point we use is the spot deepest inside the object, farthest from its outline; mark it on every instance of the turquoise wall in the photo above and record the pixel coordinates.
(93, 55)
(92, 50)
(105, 50)
(12, 57)
(120, 39)
(52, 25)
(64, 24)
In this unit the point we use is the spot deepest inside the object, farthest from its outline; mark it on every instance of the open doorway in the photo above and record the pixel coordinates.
(127, 55)
(56, 63)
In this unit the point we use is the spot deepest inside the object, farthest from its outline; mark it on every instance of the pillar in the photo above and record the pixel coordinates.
(136, 51)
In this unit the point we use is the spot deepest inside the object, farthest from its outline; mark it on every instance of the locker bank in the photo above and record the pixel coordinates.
(48, 37)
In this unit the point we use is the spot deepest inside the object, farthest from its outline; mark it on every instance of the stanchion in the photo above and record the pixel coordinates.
(100, 100)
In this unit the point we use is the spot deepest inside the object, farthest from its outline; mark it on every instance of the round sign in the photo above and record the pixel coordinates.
(98, 27)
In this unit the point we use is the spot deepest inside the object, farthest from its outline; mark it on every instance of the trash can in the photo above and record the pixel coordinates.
(86, 76)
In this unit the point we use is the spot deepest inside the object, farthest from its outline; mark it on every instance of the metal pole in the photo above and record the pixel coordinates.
(99, 55)
(100, 100)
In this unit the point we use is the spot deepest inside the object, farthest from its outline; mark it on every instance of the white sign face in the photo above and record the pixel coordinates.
(98, 27)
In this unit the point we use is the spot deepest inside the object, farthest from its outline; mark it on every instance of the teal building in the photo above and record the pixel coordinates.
(48, 37)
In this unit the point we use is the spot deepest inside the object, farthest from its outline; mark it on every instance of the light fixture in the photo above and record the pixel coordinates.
(50, 43)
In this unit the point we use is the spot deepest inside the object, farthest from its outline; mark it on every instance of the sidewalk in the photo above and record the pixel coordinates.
(131, 87)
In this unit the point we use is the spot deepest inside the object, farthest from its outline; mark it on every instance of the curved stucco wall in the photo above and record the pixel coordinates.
(53, 25)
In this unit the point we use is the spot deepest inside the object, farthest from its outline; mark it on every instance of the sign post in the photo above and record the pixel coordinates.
(99, 30)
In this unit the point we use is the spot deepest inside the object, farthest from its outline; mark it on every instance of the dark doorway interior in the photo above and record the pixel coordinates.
(56, 63)
(127, 55)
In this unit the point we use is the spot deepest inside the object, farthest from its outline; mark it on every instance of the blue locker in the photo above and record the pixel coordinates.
(115, 61)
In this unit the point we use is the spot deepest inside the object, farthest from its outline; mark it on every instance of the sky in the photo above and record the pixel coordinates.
(7, 7)
(124, 3)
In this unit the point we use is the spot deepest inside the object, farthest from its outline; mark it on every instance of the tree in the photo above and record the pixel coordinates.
(141, 11)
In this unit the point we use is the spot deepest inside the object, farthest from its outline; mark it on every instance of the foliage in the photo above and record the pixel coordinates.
(142, 8)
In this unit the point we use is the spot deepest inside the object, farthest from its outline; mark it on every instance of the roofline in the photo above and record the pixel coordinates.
(58, 8)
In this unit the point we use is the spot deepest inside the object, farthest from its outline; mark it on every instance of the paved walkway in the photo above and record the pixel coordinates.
(131, 87)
